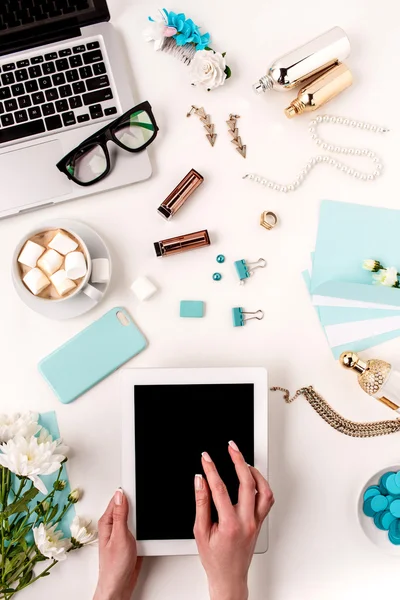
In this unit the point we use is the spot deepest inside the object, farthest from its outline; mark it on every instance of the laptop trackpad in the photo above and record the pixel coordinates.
(30, 175)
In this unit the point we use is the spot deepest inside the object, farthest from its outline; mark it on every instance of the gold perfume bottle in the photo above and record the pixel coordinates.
(321, 90)
(376, 377)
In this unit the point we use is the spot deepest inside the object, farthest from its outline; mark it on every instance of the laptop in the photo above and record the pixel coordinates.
(63, 75)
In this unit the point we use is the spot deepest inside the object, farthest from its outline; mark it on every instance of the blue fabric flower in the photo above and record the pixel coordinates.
(187, 31)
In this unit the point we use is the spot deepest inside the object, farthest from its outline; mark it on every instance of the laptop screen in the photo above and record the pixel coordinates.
(27, 23)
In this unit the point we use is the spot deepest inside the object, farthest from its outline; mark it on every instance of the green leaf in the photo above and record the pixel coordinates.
(7, 591)
(20, 505)
(209, 49)
(53, 513)
(228, 72)
(224, 54)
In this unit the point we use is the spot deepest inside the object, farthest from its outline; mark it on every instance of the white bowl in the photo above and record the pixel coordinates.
(377, 536)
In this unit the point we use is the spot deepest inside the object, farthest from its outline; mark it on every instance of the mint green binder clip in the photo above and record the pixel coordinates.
(245, 270)
(239, 319)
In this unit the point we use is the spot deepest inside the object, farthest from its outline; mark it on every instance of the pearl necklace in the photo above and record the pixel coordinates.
(378, 165)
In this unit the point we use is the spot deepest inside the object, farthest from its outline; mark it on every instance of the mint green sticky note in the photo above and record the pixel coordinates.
(192, 309)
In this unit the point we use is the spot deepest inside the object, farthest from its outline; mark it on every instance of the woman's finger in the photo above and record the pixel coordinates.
(218, 489)
(247, 487)
(264, 498)
(106, 523)
(120, 514)
(202, 525)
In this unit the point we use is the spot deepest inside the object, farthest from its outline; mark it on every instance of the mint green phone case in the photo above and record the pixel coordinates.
(92, 355)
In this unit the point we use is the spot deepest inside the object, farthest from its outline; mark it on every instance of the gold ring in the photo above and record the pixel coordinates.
(268, 219)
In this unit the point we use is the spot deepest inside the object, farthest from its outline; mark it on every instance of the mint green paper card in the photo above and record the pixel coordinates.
(347, 235)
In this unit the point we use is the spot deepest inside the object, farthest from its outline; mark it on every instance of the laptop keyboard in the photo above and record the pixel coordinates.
(14, 13)
(54, 91)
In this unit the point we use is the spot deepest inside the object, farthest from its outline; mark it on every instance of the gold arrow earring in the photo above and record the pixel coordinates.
(206, 120)
(234, 131)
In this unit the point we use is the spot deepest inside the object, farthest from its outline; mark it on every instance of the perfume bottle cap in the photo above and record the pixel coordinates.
(351, 360)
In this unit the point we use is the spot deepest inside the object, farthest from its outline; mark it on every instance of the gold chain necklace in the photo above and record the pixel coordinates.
(338, 422)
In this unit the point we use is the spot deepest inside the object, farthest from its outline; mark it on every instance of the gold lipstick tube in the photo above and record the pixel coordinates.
(180, 194)
(321, 90)
(182, 243)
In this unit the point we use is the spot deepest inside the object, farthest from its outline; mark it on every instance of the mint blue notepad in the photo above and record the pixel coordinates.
(347, 235)
(332, 315)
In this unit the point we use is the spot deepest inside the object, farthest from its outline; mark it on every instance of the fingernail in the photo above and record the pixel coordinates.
(118, 497)
(198, 482)
(206, 457)
(234, 446)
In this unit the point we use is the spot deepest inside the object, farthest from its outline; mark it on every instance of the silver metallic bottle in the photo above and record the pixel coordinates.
(310, 59)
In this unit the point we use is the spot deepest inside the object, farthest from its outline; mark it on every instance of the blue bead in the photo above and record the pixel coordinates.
(220, 258)
(217, 276)
(372, 491)
(380, 503)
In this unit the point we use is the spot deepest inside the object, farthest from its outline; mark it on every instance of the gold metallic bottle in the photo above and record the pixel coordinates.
(376, 377)
(321, 90)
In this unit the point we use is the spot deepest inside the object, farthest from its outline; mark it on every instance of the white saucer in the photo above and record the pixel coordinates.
(79, 304)
(377, 537)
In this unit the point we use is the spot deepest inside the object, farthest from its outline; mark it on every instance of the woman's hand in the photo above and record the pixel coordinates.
(119, 563)
(226, 549)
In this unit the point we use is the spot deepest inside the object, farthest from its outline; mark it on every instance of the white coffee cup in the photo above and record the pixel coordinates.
(84, 286)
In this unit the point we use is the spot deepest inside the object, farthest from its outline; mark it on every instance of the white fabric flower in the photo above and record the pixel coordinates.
(51, 542)
(25, 425)
(33, 457)
(82, 532)
(158, 29)
(387, 277)
(208, 69)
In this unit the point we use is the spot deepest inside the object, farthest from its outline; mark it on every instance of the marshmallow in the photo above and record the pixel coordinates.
(75, 265)
(143, 288)
(61, 282)
(100, 270)
(30, 254)
(36, 281)
(63, 243)
(50, 262)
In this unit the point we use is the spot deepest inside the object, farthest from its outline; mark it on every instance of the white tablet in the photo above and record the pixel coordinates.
(170, 416)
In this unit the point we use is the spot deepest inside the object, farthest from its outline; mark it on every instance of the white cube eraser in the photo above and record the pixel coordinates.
(61, 282)
(75, 265)
(63, 243)
(143, 288)
(50, 262)
(30, 254)
(36, 281)
(100, 270)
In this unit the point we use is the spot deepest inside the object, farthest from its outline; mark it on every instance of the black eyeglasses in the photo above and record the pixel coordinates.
(90, 162)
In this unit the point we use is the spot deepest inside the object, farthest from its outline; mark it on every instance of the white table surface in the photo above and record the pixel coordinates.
(317, 548)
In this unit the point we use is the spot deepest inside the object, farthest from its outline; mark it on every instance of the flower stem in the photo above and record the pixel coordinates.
(21, 487)
(42, 574)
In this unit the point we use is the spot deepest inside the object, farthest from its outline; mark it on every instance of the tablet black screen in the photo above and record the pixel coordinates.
(174, 424)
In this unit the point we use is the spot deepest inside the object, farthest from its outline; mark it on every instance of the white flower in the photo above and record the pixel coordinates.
(157, 30)
(25, 425)
(387, 277)
(371, 265)
(51, 542)
(74, 496)
(33, 457)
(208, 69)
(45, 438)
(82, 532)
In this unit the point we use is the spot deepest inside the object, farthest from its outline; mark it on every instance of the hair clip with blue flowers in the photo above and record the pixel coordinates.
(177, 35)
